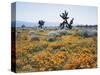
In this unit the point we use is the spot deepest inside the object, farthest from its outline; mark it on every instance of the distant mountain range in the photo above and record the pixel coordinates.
(34, 24)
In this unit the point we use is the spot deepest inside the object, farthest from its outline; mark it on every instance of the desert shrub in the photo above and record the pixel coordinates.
(32, 32)
(56, 46)
(62, 32)
(37, 48)
(41, 30)
(53, 33)
(52, 36)
(33, 36)
(87, 33)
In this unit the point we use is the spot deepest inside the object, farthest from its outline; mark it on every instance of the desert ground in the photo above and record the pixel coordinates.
(55, 49)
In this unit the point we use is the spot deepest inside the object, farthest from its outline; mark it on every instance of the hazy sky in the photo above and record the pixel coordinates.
(33, 12)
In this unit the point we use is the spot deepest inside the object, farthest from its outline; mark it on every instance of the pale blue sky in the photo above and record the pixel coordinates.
(33, 12)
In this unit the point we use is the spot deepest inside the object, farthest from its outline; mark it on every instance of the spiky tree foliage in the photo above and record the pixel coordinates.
(65, 18)
(41, 23)
(70, 24)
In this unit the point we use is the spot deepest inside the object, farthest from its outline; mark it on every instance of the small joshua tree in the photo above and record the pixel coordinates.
(65, 17)
(23, 26)
(41, 23)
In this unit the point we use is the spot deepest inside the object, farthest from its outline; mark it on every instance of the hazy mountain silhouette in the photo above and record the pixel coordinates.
(33, 24)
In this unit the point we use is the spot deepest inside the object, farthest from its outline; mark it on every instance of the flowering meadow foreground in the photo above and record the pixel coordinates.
(50, 50)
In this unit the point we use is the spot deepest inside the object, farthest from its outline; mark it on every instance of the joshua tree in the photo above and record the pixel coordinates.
(41, 23)
(65, 17)
(23, 26)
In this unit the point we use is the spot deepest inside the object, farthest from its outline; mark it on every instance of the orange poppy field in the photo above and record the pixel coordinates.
(69, 51)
